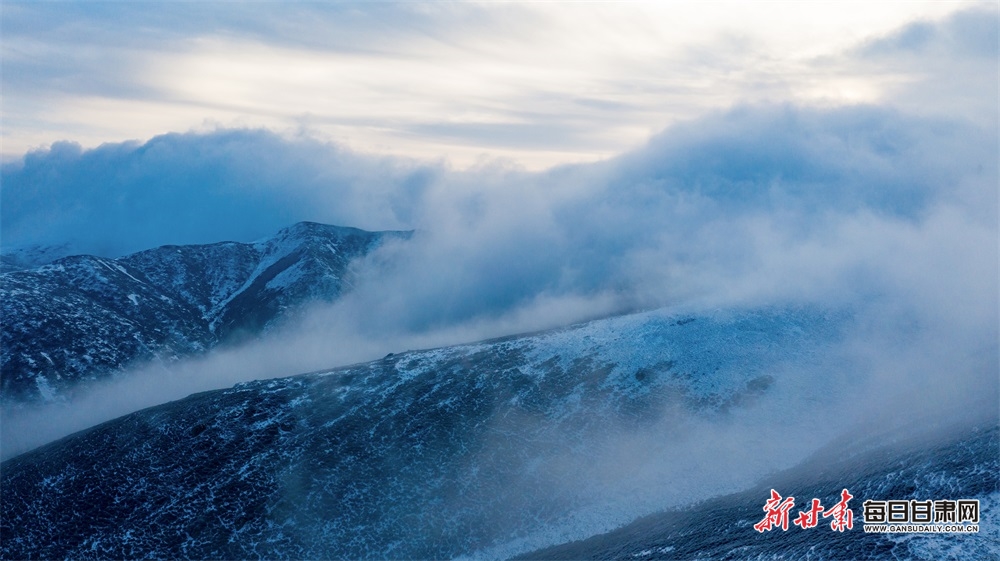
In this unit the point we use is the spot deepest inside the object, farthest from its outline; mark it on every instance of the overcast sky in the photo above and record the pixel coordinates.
(537, 83)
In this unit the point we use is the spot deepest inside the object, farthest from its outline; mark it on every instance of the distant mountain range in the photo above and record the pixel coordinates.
(82, 317)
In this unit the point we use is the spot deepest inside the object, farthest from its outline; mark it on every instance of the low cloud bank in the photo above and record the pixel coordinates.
(891, 214)
(229, 185)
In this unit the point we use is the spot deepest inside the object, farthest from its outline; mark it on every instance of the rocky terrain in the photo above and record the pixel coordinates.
(82, 317)
(651, 435)
(486, 449)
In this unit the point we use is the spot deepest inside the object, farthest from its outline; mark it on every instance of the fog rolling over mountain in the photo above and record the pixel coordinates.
(836, 276)
(498, 448)
(662, 253)
(84, 318)
(486, 449)
(32, 256)
(953, 460)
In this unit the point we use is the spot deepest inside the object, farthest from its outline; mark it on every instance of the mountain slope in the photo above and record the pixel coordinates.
(428, 454)
(959, 463)
(83, 317)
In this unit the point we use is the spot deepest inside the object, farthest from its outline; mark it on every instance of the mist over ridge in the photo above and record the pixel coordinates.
(757, 204)
(859, 207)
(84, 318)
(470, 280)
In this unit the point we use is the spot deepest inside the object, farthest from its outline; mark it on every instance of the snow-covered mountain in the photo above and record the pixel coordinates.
(84, 317)
(956, 462)
(486, 449)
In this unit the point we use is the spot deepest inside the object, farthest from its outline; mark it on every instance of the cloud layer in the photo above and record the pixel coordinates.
(235, 185)
(539, 83)
(890, 215)
(887, 208)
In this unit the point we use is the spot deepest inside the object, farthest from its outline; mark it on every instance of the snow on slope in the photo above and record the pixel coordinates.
(81, 318)
(954, 462)
(501, 446)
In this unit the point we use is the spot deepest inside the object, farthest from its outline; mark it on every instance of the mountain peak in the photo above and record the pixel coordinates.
(91, 317)
(310, 229)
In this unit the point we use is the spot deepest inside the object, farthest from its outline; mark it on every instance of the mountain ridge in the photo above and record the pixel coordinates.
(422, 454)
(86, 317)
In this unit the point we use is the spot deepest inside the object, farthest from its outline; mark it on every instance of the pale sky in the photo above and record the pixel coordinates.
(539, 84)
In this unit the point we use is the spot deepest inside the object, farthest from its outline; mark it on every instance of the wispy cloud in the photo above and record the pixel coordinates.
(460, 81)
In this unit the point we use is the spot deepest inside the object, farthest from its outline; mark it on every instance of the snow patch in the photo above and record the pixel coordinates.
(44, 389)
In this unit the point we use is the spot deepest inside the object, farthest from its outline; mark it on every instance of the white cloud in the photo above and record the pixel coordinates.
(537, 83)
